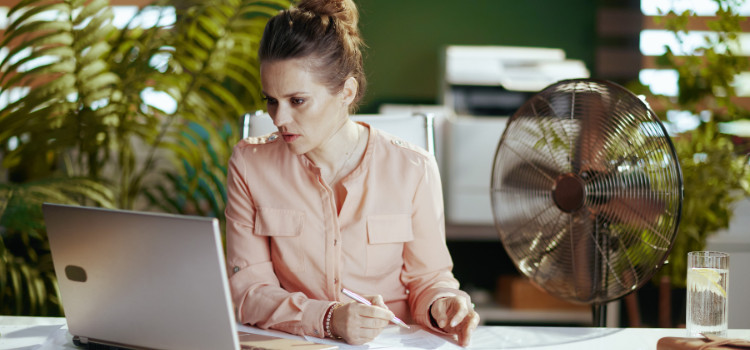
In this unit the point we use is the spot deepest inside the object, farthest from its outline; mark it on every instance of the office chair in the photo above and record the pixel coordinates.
(417, 128)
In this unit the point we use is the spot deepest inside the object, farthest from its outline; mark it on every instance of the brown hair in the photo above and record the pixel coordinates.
(323, 30)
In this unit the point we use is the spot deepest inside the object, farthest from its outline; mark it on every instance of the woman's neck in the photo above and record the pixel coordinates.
(332, 155)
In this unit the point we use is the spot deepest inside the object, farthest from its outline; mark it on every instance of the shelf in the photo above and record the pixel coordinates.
(494, 313)
(462, 232)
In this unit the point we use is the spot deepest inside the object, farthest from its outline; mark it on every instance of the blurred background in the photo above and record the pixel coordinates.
(156, 110)
(406, 40)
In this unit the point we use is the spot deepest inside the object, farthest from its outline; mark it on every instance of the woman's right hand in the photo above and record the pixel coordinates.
(358, 323)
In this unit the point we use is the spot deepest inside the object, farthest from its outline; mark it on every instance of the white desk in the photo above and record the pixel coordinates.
(38, 333)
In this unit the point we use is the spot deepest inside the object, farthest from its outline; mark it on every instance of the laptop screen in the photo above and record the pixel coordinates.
(141, 280)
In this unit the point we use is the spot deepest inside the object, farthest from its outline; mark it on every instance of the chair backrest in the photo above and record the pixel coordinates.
(417, 129)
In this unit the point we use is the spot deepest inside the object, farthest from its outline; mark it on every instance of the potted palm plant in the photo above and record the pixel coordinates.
(715, 168)
(141, 116)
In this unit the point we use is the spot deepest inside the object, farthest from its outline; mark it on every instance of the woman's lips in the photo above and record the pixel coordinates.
(289, 137)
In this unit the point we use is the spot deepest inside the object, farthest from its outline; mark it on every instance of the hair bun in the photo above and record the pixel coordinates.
(321, 7)
(344, 11)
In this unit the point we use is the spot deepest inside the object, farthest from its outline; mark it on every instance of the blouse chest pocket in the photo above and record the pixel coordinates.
(386, 235)
(278, 222)
(283, 227)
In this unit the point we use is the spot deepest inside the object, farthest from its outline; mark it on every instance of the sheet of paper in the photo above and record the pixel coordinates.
(531, 337)
(280, 334)
(392, 337)
(483, 338)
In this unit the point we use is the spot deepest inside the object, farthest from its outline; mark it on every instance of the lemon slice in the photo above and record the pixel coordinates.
(705, 279)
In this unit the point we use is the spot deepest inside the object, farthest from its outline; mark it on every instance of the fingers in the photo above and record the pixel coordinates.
(455, 315)
(380, 310)
(459, 314)
(466, 328)
(376, 300)
(377, 310)
(363, 336)
(358, 323)
(449, 311)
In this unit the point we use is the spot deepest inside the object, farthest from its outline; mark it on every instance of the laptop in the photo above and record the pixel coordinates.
(141, 280)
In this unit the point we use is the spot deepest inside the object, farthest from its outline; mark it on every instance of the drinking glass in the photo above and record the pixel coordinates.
(707, 282)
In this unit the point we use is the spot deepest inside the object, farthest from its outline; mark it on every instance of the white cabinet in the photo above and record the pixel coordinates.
(471, 143)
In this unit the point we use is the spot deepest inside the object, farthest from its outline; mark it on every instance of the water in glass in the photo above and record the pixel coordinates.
(707, 282)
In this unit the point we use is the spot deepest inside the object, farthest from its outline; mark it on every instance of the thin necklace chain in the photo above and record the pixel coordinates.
(348, 157)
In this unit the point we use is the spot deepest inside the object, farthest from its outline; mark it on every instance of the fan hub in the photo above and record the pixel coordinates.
(568, 192)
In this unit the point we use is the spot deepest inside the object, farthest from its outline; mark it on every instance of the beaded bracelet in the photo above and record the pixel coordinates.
(329, 316)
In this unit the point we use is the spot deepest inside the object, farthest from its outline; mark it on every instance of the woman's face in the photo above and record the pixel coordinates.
(302, 108)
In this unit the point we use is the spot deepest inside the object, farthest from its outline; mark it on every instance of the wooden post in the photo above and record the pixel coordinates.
(665, 303)
(632, 308)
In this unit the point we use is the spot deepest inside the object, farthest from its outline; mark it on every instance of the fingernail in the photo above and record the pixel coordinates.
(454, 323)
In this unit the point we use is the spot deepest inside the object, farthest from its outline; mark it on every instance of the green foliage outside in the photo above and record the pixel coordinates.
(714, 166)
(84, 133)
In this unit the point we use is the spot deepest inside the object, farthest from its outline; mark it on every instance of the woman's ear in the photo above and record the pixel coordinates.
(349, 93)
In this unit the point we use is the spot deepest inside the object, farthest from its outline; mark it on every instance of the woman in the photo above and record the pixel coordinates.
(326, 203)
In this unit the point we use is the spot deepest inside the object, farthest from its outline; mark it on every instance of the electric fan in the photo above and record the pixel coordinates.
(586, 192)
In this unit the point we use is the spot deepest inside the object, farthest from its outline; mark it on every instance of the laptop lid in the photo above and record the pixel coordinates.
(141, 280)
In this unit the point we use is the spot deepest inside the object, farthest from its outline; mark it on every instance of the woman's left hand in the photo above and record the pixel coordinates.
(455, 315)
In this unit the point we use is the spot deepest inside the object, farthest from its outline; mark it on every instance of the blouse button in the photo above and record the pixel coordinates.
(336, 280)
(335, 241)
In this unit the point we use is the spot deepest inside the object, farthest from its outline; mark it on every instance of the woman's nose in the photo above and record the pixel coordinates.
(280, 117)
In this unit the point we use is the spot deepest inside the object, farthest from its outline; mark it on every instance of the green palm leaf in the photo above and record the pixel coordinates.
(218, 48)
(86, 121)
(27, 282)
(78, 73)
(31, 9)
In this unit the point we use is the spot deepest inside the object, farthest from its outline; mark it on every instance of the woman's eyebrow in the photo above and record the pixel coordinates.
(291, 94)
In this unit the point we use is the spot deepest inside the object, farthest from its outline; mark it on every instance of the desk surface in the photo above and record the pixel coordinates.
(43, 333)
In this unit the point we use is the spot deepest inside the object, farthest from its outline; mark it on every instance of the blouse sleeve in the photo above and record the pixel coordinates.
(427, 262)
(257, 295)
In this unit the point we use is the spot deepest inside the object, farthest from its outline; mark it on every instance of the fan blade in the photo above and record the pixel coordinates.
(629, 199)
(622, 268)
(521, 190)
(586, 258)
(517, 214)
(530, 176)
(532, 242)
(538, 251)
(538, 132)
(566, 263)
(543, 139)
(593, 111)
(639, 213)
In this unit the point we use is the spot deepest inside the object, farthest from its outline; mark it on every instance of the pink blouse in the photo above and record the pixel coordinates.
(289, 253)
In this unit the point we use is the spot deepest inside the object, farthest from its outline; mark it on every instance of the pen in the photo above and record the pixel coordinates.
(362, 300)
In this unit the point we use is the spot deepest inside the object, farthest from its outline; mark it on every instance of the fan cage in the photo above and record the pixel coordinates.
(586, 191)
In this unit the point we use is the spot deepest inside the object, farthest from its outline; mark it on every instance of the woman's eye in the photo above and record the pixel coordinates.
(298, 101)
(269, 101)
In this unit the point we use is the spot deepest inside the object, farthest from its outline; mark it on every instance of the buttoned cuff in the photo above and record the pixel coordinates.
(314, 320)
